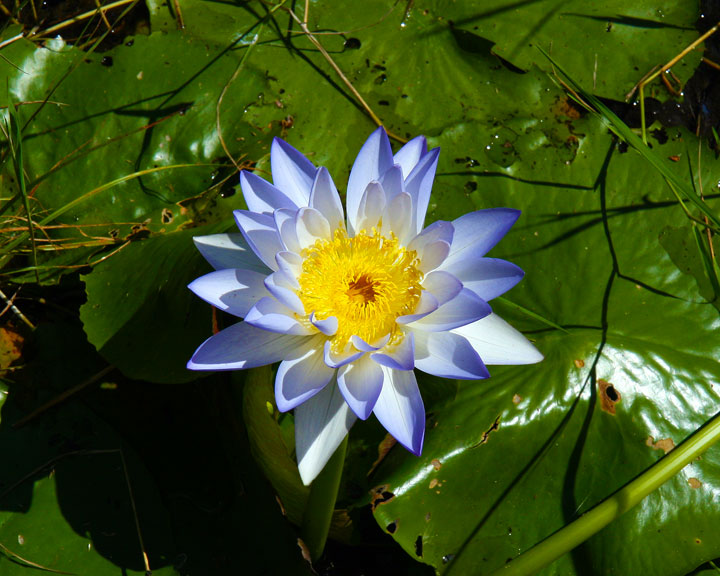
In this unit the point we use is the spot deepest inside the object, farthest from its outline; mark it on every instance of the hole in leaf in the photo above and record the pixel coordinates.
(609, 396)
(419, 546)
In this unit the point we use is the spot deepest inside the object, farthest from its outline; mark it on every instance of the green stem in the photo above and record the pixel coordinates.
(597, 518)
(321, 503)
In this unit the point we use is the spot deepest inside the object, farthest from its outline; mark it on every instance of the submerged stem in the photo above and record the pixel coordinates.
(321, 503)
(597, 518)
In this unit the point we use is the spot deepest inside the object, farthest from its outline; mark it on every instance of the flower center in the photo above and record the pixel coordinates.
(366, 282)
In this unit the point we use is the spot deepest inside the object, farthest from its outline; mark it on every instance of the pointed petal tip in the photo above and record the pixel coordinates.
(417, 451)
(415, 447)
(307, 475)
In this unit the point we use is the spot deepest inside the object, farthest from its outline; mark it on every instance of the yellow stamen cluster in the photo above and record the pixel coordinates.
(366, 282)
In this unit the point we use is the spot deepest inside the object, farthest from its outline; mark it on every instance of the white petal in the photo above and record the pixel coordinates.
(465, 308)
(301, 375)
(400, 356)
(325, 198)
(271, 315)
(261, 196)
(448, 355)
(433, 255)
(261, 235)
(310, 226)
(360, 384)
(499, 343)
(243, 346)
(229, 251)
(371, 207)
(339, 359)
(234, 291)
(419, 185)
(285, 224)
(443, 285)
(373, 160)
(477, 232)
(400, 408)
(398, 218)
(290, 263)
(360, 344)
(433, 245)
(427, 304)
(291, 172)
(328, 326)
(409, 155)
(321, 424)
(281, 286)
(393, 182)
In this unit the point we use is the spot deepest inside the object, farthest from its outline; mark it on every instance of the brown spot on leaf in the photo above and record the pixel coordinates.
(383, 449)
(436, 464)
(516, 399)
(304, 550)
(664, 444)
(279, 503)
(434, 482)
(566, 109)
(11, 343)
(380, 495)
(579, 363)
(486, 435)
(166, 216)
(694, 483)
(609, 396)
(427, 517)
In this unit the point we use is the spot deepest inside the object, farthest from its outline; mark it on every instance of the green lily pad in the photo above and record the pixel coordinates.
(608, 47)
(140, 314)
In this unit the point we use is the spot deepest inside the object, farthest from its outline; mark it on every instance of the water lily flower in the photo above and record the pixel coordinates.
(351, 308)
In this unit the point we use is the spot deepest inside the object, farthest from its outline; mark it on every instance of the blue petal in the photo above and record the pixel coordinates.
(419, 186)
(393, 182)
(400, 409)
(228, 251)
(291, 172)
(487, 277)
(409, 155)
(339, 359)
(328, 326)
(325, 198)
(243, 346)
(301, 375)
(400, 356)
(261, 196)
(448, 355)
(234, 291)
(443, 285)
(373, 160)
(427, 305)
(281, 286)
(271, 315)
(477, 232)
(360, 384)
(261, 235)
(465, 308)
